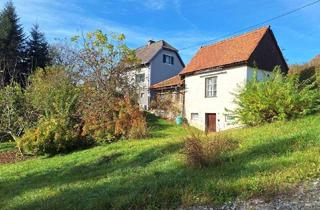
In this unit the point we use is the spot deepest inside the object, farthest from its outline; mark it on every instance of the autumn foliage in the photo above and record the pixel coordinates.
(88, 100)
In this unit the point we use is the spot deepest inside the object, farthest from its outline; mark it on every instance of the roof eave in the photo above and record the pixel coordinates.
(215, 68)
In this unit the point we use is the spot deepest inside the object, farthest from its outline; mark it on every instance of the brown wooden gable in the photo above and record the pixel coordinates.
(267, 54)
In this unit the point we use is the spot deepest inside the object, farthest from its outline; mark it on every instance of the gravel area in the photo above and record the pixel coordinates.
(306, 197)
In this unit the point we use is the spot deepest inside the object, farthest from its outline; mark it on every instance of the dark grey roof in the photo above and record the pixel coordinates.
(147, 52)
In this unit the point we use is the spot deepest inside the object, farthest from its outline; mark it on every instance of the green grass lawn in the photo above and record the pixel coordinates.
(7, 146)
(151, 173)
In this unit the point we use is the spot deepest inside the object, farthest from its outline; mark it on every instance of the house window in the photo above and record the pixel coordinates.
(140, 78)
(177, 96)
(168, 59)
(230, 119)
(194, 116)
(211, 87)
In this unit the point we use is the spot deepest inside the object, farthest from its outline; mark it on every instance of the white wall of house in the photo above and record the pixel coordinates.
(143, 86)
(229, 81)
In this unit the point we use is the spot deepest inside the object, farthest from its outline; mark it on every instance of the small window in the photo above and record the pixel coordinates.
(141, 95)
(177, 96)
(140, 78)
(230, 119)
(194, 116)
(168, 59)
(211, 87)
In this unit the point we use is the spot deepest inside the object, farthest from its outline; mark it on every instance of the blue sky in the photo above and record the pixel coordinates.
(182, 23)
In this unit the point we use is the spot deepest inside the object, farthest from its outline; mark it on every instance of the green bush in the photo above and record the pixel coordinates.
(15, 112)
(53, 136)
(277, 98)
(51, 91)
(59, 130)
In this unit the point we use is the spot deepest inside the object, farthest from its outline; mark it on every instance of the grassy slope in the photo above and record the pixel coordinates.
(7, 146)
(151, 173)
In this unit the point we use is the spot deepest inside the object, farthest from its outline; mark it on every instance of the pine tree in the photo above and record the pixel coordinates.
(12, 41)
(37, 50)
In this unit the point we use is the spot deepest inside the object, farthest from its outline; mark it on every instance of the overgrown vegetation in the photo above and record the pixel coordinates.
(15, 112)
(204, 151)
(152, 173)
(307, 71)
(109, 101)
(55, 97)
(276, 98)
(67, 107)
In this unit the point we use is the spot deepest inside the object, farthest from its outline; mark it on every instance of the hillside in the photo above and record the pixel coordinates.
(306, 69)
(151, 173)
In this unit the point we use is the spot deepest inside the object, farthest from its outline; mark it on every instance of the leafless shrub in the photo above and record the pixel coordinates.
(203, 151)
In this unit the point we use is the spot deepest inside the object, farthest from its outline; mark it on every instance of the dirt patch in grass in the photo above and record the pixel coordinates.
(11, 157)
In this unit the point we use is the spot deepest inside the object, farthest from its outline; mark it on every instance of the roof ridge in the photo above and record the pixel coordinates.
(146, 45)
(237, 36)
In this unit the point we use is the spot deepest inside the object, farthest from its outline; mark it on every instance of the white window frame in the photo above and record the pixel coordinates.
(211, 87)
(168, 59)
(140, 78)
(194, 116)
(230, 119)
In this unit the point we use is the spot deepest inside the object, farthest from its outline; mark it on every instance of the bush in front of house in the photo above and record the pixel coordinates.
(92, 98)
(55, 97)
(108, 119)
(279, 97)
(203, 151)
(108, 104)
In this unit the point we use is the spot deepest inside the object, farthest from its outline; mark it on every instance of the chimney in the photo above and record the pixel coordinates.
(150, 42)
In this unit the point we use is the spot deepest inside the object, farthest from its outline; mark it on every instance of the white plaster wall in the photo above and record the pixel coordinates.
(229, 81)
(261, 74)
(143, 87)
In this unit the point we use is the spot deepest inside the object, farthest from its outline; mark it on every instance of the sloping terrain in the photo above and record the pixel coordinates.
(152, 174)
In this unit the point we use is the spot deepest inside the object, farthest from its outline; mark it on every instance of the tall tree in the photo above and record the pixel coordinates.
(37, 49)
(12, 41)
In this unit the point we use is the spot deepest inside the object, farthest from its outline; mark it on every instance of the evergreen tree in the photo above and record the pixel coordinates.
(12, 41)
(37, 50)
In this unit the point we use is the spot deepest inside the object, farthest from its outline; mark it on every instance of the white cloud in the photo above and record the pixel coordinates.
(155, 4)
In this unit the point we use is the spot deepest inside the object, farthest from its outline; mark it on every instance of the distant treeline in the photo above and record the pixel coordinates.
(20, 54)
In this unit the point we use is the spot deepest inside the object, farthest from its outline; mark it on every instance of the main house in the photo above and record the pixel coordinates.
(159, 61)
(217, 72)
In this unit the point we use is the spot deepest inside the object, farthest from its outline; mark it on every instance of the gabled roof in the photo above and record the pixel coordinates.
(173, 81)
(234, 51)
(147, 52)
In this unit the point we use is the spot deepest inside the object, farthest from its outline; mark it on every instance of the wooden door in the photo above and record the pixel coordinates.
(211, 122)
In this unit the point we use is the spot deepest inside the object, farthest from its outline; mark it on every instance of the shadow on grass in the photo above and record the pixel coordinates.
(130, 184)
(157, 126)
(102, 167)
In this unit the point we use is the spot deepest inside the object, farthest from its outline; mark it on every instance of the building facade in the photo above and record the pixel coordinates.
(217, 72)
(159, 61)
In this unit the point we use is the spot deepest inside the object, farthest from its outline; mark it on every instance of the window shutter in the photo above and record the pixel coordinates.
(172, 60)
(164, 59)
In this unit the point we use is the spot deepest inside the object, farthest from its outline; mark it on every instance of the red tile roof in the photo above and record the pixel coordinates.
(230, 51)
(173, 81)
